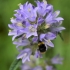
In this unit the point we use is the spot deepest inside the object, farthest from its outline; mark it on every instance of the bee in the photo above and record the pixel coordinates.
(41, 47)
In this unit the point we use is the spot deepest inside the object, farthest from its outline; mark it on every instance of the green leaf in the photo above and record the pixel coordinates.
(15, 64)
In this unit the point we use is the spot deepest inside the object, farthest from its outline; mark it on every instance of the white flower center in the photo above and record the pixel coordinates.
(32, 28)
(19, 24)
(48, 41)
(29, 9)
(47, 26)
(25, 54)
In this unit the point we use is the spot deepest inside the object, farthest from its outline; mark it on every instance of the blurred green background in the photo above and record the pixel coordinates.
(8, 50)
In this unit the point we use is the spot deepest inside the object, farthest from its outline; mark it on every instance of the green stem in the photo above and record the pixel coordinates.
(15, 64)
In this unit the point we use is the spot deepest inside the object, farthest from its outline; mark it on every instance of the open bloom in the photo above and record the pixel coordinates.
(31, 30)
(52, 18)
(47, 38)
(43, 8)
(21, 42)
(57, 60)
(25, 55)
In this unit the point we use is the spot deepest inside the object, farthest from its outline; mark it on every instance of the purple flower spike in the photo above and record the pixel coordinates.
(25, 55)
(57, 60)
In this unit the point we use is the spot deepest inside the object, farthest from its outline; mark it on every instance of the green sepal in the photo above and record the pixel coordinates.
(15, 64)
(19, 36)
(60, 36)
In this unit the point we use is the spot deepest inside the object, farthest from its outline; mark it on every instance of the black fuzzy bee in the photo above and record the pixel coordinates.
(41, 47)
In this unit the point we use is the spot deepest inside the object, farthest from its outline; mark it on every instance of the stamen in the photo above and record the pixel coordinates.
(47, 26)
(19, 24)
(48, 41)
(10, 30)
(45, 2)
(57, 12)
(19, 4)
(12, 18)
(32, 29)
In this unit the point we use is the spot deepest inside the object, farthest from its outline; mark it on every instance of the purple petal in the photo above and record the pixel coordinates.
(13, 20)
(42, 36)
(48, 18)
(35, 39)
(11, 26)
(40, 20)
(49, 43)
(38, 54)
(59, 19)
(21, 42)
(56, 13)
(58, 29)
(24, 53)
(50, 36)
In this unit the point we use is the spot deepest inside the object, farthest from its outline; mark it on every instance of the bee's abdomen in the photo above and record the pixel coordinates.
(42, 48)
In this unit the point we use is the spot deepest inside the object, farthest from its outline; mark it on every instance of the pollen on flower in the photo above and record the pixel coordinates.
(10, 30)
(57, 12)
(48, 41)
(45, 2)
(32, 28)
(19, 24)
(19, 4)
(12, 18)
(47, 26)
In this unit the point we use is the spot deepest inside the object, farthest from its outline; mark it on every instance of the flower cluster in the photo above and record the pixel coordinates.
(34, 28)
(36, 65)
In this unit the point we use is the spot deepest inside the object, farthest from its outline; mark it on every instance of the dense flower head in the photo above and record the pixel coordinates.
(33, 26)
